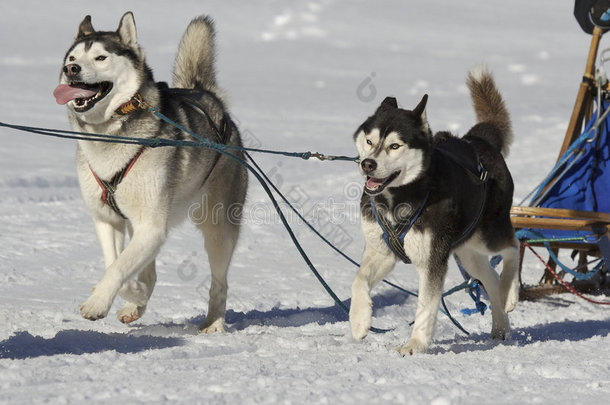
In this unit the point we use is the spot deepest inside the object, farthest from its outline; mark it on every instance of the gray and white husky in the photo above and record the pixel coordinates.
(105, 82)
(427, 196)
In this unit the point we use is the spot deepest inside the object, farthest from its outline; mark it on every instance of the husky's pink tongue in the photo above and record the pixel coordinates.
(373, 183)
(64, 93)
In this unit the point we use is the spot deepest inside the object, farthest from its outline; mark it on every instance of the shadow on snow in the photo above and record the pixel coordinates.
(295, 317)
(23, 345)
(571, 331)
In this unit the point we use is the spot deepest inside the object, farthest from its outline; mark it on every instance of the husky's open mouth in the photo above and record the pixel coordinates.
(85, 95)
(375, 185)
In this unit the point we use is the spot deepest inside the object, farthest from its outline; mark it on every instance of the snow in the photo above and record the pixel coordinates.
(300, 76)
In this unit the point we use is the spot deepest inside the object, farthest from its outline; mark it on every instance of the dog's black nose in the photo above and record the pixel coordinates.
(72, 69)
(368, 165)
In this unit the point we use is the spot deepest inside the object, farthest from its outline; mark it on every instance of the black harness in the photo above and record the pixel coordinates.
(394, 235)
(464, 155)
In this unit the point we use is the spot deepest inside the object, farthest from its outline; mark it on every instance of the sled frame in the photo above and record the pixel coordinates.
(564, 219)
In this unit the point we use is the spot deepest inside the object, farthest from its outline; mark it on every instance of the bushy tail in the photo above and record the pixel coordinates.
(489, 106)
(194, 65)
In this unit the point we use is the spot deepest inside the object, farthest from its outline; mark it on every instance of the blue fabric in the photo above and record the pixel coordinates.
(586, 185)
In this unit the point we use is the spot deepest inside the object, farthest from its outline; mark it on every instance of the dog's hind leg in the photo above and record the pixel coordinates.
(220, 239)
(477, 265)
(509, 280)
(137, 293)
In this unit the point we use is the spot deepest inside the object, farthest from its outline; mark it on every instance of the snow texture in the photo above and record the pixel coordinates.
(300, 76)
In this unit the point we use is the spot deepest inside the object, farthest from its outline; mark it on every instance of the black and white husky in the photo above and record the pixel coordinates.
(427, 196)
(144, 191)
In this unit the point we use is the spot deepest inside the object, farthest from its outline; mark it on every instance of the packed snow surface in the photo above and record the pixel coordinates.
(300, 76)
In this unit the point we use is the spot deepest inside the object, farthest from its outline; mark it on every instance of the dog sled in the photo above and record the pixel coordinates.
(568, 214)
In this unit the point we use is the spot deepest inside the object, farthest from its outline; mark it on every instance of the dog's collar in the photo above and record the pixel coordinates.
(135, 103)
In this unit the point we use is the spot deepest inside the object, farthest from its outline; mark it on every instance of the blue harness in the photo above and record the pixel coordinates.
(394, 236)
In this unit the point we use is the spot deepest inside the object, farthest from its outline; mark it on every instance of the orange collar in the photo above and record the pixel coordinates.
(134, 103)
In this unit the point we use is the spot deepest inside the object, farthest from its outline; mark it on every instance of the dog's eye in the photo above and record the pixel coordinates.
(394, 146)
(100, 58)
(368, 142)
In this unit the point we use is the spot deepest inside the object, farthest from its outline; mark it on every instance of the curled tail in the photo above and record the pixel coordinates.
(489, 106)
(194, 65)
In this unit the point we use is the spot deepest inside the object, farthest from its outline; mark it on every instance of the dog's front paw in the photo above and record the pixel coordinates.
(95, 307)
(411, 347)
(500, 332)
(130, 313)
(360, 314)
(500, 326)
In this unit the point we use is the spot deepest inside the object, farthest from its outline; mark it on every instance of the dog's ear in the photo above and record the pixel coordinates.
(127, 30)
(85, 28)
(420, 111)
(421, 107)
(388, 103)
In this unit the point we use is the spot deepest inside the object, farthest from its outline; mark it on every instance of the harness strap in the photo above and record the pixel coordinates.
(224, 134)
(480, 180)
(394, 236)
(109, 187)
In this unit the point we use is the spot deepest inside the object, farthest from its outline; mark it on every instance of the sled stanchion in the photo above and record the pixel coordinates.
(583, 98)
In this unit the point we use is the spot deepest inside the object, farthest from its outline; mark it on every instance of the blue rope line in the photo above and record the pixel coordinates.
(263, 180)
(163, 117)
(577, 275)
(313, 269)
(302, 155)
(162, 142)
(529, 235)
(258, 173)
(475, 293)
(444, 310)
(455, 322)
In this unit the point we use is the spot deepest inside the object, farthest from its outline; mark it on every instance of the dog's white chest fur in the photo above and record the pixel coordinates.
(416, 243)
